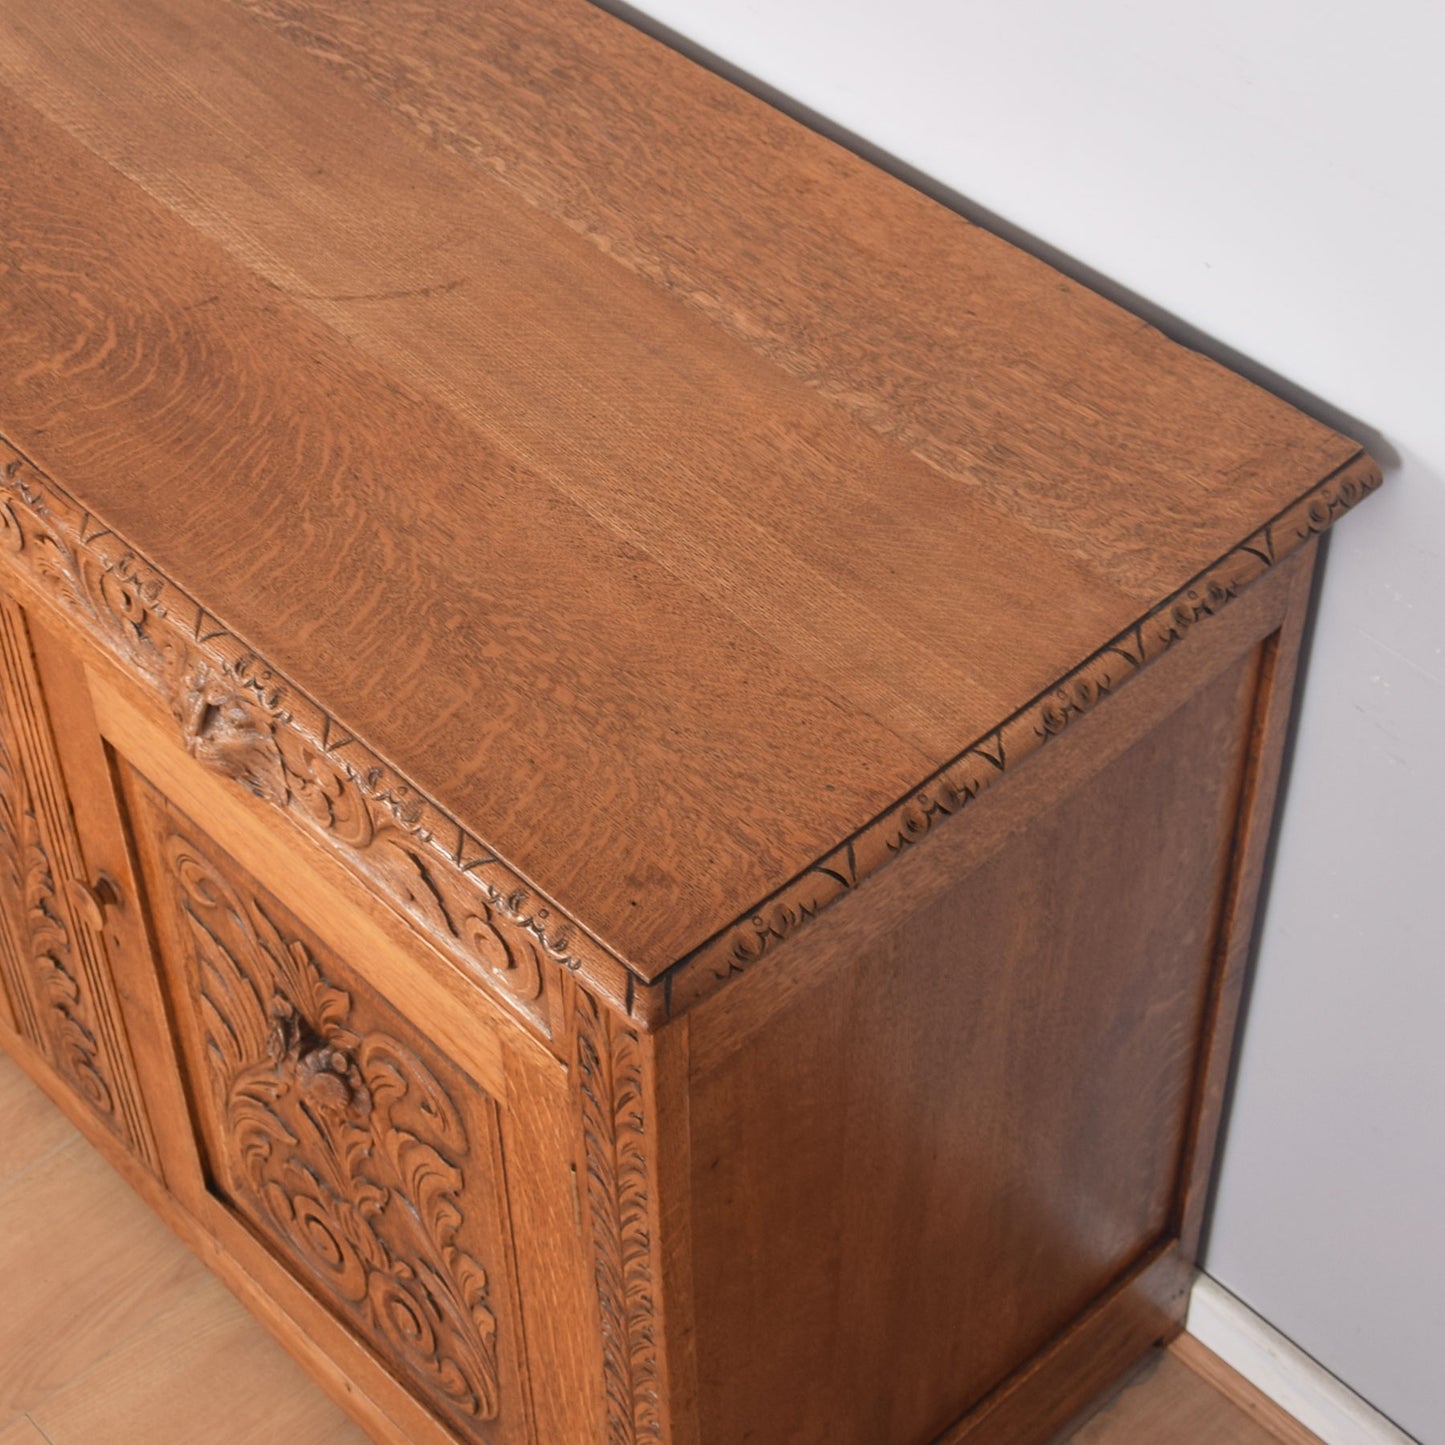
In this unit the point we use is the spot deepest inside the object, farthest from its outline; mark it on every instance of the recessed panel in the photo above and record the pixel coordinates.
(365, 1159)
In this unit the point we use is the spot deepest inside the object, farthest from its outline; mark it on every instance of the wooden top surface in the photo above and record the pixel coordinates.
(666, 493)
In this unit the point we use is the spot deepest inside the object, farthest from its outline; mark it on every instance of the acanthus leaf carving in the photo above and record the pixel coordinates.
(242, 720)
(68, 1032)
(57, 976)
(338, 1140)
(609, 1070)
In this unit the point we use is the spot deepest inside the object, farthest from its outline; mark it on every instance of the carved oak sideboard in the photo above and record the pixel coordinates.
(634, 764)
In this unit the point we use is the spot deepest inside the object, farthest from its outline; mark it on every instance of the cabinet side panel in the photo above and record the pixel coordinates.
(911, 1179)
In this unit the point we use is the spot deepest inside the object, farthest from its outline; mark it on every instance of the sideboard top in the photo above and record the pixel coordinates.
(683, 507)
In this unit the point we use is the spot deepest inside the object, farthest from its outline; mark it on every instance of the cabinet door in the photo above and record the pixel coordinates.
(366, 1161)
(55, 930)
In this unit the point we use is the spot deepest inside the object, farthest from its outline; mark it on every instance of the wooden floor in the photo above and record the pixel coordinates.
(1186, 1396)
(113, 1333)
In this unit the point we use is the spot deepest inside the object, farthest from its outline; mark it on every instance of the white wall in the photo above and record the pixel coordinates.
(1272, 174)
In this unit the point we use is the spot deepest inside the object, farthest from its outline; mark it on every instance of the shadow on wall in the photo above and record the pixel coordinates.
(1172, 326)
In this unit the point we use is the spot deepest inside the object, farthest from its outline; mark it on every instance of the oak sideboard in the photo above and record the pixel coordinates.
(634, 763)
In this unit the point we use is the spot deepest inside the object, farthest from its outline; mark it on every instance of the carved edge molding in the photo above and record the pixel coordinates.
(195, 663)
(733, 950)
(608, 1070)
(240, 717)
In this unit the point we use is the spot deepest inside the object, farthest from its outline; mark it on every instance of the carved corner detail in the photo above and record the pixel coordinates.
(733, 950)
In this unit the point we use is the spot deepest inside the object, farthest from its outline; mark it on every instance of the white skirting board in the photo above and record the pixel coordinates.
(1281, 1370)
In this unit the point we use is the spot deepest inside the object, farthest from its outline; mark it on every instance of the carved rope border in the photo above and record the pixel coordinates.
(518, 902)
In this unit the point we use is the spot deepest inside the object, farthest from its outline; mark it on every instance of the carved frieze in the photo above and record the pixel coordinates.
(239, 716)
(361, 1154)
(241, 719)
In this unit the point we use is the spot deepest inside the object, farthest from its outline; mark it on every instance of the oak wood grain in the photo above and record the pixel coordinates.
(493, 683)
(834, 271)
(803, 567)
(725, 514)
(922, 874)
(659, 752)
(1012, 1067)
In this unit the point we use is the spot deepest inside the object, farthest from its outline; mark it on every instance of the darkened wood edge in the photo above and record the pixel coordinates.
(1044, 716)
(1144, 1308)
(1259, 790)
(868, 914)
(186, 653)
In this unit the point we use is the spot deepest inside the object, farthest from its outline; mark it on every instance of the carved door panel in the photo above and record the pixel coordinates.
(364, 1159)
(53, 926)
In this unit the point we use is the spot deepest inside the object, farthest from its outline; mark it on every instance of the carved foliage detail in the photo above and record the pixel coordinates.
(14, 943)
(434, 867)
(73, 1046)
(243, 734)
(52, 993)
(610, 1088)
(339, 1141)
(241, 719)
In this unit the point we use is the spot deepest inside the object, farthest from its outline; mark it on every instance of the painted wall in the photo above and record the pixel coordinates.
(1270, 174)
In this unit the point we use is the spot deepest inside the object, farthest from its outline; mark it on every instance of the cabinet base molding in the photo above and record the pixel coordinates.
(1145, 1309)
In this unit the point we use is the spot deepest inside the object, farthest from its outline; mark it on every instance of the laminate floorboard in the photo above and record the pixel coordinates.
(112, 1333)
(1166, 1400)
(31, 1127)
(85, 1264)
(21, 1432)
